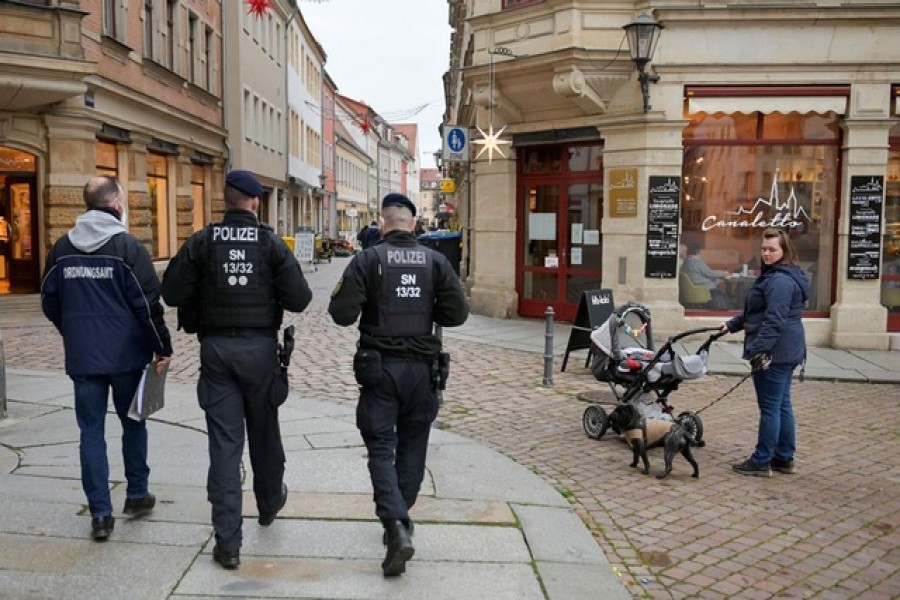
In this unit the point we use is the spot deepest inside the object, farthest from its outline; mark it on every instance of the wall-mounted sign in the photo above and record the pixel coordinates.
(456, 144)
(662, 226)
(448, 186)
(864, 241)
(623, 192)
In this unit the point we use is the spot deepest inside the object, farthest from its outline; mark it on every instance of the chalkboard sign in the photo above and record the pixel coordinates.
(305, 246)
(594, 309)
(662, 226)
(864, 241)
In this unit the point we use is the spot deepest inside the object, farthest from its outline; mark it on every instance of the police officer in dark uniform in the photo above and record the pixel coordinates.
(232, 282)
(400, 289)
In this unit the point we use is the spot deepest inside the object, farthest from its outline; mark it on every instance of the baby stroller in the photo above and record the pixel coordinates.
(623, 356)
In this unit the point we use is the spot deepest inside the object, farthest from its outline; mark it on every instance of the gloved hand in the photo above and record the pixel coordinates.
(760, 362)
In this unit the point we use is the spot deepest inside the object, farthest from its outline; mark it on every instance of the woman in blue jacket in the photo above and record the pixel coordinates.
(774, 342)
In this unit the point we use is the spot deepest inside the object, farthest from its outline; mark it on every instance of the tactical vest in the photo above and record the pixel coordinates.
(406, 293)
(238, 289)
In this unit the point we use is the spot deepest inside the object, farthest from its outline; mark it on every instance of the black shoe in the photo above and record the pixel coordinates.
(399, 548)
(411, 527)
(229, 560)
(139, 507)
(266, 520)
(748, 467)
(101, 527)
(783, 466)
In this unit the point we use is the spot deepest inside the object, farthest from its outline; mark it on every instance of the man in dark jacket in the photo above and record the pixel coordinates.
(101, 292)
(369, 235)
(239, 277)
(400, 289)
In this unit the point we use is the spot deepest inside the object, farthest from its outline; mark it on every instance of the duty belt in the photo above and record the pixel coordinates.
(241, 332)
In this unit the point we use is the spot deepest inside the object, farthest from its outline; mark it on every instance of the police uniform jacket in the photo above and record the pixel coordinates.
(359, 294)
(240, 275)
(101, 292)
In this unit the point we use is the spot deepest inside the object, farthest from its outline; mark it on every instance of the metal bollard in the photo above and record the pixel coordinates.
(2, 379)
(548, 348)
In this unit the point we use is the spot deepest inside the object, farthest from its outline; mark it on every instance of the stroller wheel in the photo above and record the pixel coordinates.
(692, 423)
(594, 421)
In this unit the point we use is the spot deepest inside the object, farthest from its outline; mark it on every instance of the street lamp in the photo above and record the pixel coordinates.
(643, 34)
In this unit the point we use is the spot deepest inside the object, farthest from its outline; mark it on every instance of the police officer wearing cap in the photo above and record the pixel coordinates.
(398, 289)
(234, 280)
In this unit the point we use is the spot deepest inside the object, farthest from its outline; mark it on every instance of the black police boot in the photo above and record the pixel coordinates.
(399, 548)
(411, 526)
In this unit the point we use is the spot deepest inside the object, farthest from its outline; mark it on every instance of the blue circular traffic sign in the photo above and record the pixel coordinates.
(456, 139)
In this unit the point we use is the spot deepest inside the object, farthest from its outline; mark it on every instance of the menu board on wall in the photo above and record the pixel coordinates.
(662, 226)
(864, 241)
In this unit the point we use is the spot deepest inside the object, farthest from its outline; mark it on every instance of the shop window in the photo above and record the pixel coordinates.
(158, 191)
(541, 160)
(106, 157)
(198, 195)
(890, 280)
(585, 158)
(735, 185)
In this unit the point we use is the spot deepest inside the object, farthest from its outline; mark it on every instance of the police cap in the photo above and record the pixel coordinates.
(245, 182)
(395, 199)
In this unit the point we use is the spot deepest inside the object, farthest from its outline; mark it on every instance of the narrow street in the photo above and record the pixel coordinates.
(829, 531)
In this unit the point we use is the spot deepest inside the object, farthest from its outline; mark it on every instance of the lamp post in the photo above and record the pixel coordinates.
(643, 34)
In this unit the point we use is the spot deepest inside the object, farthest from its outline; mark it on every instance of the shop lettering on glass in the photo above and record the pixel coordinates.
(662, 226)
(864, 241)
(765, 212)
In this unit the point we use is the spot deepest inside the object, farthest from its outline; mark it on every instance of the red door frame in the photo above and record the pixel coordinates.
(563, 309)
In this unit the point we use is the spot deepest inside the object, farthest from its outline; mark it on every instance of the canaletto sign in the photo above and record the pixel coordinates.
(765, 212)
(864, 241)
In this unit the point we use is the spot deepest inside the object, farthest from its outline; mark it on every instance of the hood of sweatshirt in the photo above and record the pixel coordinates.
(93, 229)
(797, 274)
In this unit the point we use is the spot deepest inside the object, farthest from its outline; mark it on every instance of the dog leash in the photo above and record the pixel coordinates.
(734, 387)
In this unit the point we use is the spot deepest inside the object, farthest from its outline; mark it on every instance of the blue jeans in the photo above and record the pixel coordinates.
(91, 398)
(777, 430)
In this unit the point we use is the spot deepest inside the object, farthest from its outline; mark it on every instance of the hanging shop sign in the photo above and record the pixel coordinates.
(623, 192)
(662, 226)
(864, 241)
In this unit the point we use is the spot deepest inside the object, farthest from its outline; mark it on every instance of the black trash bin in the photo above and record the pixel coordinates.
(448, 243)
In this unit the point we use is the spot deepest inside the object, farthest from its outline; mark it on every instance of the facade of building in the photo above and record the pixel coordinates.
(762, 114)
(351, 169)
(132, 90)
(255, 100)
(305, 205)
(429, 196)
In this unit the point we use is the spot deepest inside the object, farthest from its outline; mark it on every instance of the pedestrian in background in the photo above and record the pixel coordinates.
(101, 292)
(369, 235)
(400, 289)
(238, 278)
(775, 343)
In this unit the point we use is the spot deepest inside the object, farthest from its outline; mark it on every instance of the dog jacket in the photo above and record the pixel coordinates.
(652, 432)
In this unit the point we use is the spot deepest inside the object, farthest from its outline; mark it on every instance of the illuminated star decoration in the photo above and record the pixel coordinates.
(365, 126)
(259, 7)
(490, 142)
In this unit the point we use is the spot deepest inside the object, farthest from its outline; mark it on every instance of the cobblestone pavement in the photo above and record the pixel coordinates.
(830, 531)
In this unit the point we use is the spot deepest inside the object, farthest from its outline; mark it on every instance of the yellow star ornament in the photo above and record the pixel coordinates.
(490, 142)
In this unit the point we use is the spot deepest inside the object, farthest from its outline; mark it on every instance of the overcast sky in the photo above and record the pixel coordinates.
(390, 54)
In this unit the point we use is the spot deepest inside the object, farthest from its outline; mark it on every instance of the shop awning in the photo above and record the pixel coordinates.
(768, 104)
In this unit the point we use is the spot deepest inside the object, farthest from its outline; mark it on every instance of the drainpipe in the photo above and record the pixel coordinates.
(2, 379)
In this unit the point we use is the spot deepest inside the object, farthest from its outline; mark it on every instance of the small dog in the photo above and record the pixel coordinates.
(642, 433)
